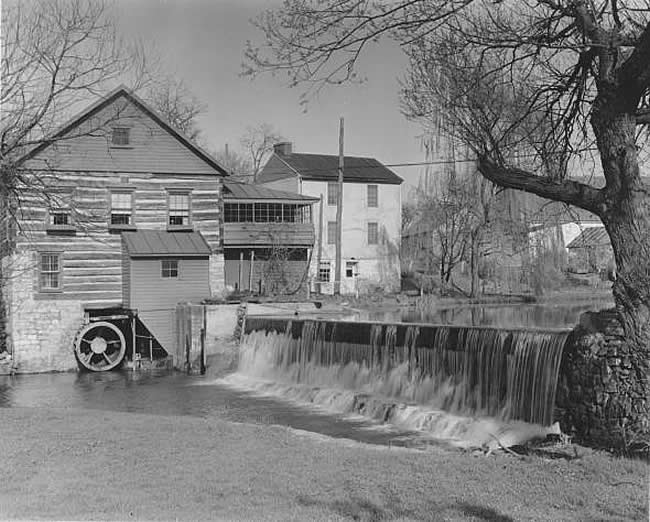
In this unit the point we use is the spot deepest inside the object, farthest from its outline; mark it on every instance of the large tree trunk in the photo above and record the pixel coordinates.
(626, 215)
(624, 207)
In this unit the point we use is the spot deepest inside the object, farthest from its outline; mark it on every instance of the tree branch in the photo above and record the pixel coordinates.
(565, 191)
(635, 71)
(643, 117)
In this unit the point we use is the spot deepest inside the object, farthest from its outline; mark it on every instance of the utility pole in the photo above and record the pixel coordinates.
(319, 252)
(339, 215)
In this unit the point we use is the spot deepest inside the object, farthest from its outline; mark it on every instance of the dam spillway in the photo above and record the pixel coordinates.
(508, 374)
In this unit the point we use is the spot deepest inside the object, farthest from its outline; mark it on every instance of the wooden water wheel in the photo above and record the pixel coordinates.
(100, 346)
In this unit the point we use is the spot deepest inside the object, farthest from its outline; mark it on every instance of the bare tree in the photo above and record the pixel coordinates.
(236, 163)
(552, 79)
(173, 100)
(256, 146)
(56, 56)
(258, 143)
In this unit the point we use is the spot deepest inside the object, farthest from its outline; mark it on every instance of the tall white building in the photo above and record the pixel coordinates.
(371, 217)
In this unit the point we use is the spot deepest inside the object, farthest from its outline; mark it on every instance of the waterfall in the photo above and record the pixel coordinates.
(507, 374)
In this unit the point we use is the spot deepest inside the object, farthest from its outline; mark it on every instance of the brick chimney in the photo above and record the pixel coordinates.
(283, 148)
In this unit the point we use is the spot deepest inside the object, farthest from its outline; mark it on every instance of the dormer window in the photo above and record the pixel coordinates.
(120, 137)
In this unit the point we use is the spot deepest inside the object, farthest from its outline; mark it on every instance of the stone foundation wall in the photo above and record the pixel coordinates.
(602, 395)
(216, 271)
(40, 330)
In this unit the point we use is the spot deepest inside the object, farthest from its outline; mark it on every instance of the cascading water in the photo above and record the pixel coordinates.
(439, 379)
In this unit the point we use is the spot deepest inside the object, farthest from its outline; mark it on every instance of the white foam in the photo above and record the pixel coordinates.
(458, 430)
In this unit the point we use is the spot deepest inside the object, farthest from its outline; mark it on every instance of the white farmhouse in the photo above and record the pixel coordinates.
(371, 222)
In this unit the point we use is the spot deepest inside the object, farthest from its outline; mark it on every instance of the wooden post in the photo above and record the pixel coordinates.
(250, 275)
(134, 318)
(319, 252)
(241, 264)
(204, 332)
(339, 215)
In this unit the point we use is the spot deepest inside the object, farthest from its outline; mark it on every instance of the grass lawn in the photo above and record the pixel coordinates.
(94, 465)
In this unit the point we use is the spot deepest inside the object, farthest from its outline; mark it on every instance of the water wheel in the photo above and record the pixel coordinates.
(100, 346)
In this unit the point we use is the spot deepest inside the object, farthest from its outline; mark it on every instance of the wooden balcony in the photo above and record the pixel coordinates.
(268, 235)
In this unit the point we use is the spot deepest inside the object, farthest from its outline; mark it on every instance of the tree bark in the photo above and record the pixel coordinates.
(626, 215)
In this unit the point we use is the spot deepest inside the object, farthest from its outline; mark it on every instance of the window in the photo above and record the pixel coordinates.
(59, 217)
(231, 212)
(331, 232)
(169, 268)
(121, 208)
(179, 209)
(373, 233)
(324, 272)
(290, 214)
(50, 272)
(350, 268)
(332, 194)
(120, 136)
(373, 196)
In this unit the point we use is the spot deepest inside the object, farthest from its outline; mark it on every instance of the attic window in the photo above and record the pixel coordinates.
(120, 137)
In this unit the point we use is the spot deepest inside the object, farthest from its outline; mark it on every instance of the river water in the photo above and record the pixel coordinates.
(235, 397)
(165, 393)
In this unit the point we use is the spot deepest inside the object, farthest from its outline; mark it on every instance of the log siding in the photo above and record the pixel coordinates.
(92, 264)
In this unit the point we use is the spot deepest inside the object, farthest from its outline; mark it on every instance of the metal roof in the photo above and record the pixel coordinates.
(236, 190)
(323, 167)
(590, 237)
(160, 243)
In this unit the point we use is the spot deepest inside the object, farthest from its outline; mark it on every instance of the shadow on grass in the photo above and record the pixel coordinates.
(481, 513)
(356, 508)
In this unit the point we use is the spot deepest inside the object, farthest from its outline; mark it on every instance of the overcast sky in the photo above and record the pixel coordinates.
(202, 42)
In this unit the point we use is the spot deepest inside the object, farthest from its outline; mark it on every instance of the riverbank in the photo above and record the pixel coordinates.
(95, 465)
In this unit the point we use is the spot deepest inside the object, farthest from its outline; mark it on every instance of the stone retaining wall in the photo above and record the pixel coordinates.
(40, 330)
(602, 395)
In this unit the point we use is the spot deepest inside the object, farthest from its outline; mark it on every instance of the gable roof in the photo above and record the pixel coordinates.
(590, 237)
(160, 243)
(234, 190)
(123, 91)
(323, 167)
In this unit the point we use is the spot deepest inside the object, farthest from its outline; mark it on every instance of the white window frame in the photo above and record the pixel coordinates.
(331, 225)
(325, 267)
(376, 241)
(375, 196)
(59, 272)
(332, 193)
(172, 270)
(121, 210)
(174, 213)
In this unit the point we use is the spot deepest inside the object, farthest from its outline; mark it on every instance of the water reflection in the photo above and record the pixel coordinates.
(547, 315)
